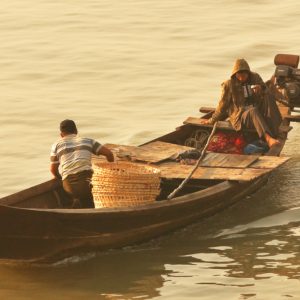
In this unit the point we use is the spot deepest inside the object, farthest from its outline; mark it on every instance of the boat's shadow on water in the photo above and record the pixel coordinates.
(254, 239)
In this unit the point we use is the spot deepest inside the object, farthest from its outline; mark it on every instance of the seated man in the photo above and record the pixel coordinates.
(74, 154)
(247, 103)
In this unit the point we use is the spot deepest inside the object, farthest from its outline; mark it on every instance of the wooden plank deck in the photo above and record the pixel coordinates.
(158, 151)
(168, 149)
(269, 162)
(151, 153)
(176, 170)
(222, 160)
(215, 166)
(261, 166)
(135, 153)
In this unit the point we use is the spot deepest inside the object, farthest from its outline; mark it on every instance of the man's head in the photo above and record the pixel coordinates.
(241, 70)
(242, 76)
(67, 127)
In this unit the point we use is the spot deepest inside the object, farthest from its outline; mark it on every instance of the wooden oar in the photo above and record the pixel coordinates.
(203, 152)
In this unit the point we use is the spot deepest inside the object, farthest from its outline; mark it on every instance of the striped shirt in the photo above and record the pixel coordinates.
(74, 154)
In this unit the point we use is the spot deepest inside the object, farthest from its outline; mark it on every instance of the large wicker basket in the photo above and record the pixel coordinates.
(124, 184)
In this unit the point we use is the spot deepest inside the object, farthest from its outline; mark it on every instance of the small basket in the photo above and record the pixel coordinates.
(124, 184)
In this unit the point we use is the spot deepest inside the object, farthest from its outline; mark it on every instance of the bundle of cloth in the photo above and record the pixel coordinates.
(225, 142)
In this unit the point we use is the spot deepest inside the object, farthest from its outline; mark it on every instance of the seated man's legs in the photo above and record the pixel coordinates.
(79, 187)
(269, 110)
(252, 118)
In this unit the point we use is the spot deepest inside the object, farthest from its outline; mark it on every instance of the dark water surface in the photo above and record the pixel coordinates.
(129, 71)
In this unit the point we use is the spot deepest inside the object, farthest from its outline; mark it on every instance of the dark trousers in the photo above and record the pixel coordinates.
(264, 117)
(79, 187)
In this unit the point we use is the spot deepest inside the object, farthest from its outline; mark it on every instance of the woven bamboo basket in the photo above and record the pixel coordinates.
(124, 184)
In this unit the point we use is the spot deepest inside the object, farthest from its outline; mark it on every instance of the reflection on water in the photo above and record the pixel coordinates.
(245, 264)
(114, 275)
(181, 266)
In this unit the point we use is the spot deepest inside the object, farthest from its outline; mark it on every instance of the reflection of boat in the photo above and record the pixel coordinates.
(35, 227)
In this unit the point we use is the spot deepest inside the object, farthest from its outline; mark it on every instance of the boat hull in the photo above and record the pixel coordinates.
(48, 235)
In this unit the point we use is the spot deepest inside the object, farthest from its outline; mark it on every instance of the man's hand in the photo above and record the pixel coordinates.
(256, 89)
(54, 171)
(205, 121)
(107, 153)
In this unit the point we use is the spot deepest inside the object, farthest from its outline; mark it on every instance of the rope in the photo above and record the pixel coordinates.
(203, 152)
(198, 139)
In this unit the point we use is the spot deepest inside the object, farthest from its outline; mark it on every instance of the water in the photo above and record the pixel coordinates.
(126, 72)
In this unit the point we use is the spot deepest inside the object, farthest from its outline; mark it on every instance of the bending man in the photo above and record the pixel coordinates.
(247, 103)
(74, 154)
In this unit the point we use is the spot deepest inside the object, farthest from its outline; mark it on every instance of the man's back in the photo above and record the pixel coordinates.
(74, 154)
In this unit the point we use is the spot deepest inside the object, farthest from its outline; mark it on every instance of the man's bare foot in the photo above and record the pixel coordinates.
(271, 141)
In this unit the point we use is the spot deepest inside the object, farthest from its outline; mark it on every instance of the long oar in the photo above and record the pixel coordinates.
(203, 152)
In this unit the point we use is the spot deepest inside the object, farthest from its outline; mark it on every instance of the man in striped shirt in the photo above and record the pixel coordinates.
(71, 159)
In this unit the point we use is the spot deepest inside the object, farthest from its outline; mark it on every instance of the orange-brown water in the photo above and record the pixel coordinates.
(129, 71)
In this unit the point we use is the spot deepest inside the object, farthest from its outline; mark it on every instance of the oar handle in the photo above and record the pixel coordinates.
(203, 152)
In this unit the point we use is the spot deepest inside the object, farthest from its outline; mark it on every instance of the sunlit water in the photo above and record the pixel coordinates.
(129, 71)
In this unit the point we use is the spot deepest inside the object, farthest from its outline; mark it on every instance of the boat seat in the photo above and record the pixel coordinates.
(224, 125)
(285, 113)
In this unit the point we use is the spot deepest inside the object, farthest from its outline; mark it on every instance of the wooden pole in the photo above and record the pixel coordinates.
(203, 152)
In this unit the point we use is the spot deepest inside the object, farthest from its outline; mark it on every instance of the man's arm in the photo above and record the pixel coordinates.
(54, 162)
(107, 153)
(54, 170)
(222, 107)
(258, 85)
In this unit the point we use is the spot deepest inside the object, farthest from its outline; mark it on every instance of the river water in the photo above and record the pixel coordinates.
(126, 72)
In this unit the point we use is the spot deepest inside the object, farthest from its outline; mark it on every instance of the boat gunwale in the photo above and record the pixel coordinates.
(190, 197)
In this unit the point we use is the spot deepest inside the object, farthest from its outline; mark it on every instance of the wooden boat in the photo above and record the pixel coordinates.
(34, 227)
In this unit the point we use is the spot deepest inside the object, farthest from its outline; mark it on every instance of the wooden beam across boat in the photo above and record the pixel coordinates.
(284, 110)
(206, 109)
(224, 125)
(292, 118)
